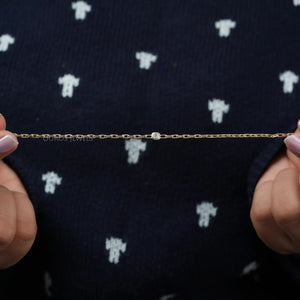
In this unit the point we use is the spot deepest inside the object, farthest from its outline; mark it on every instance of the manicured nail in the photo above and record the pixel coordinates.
(293, 143)
(7, 143)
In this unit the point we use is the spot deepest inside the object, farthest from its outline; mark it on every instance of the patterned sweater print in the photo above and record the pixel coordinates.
(137, 218)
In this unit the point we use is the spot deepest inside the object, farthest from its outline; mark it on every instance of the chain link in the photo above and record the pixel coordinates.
(153, 136)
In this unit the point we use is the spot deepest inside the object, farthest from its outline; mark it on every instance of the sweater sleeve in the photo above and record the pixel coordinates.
(289, 263)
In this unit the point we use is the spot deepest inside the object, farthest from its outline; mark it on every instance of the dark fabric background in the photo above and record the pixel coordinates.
(150, 205)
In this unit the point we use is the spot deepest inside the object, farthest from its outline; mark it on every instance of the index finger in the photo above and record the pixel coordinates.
(286, 204)
(8, 143)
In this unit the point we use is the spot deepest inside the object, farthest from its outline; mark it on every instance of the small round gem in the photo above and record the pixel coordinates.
(155, 135)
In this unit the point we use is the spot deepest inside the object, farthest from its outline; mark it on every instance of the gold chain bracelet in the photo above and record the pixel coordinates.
(153, 136)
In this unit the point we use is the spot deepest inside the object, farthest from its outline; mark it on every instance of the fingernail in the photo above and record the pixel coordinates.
(293, 143)
(7, 143)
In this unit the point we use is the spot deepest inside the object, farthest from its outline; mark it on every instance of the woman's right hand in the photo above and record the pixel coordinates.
(17, 218)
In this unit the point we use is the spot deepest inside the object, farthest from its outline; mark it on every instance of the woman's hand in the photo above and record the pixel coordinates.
(275, 211)
(17, 218)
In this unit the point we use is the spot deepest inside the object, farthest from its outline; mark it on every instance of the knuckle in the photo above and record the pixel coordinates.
(261, 236)
(26, 231)
(261, 205)
(7, 233)
(286, 248)
(26, 227)
(286, 215)
(260, 215)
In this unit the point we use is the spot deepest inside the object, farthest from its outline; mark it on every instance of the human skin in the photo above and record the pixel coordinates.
(17, 218)
(275, 210)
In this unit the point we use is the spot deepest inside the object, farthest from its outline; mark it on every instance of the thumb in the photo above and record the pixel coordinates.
(292, 143)
(8, 143)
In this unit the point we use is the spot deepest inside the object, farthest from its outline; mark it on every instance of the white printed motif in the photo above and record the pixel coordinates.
(218, 107)
(81, 9)
(47, 284)
(134, 146)
(146, 59)
(5, 41)
(225, 27)
(250, 268)
(288, 78)
(68, 82)
(205, 210)
(115, 246)
(297, 2)
(52, 179)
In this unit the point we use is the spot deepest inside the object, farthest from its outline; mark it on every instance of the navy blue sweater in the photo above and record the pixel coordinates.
(145, 219)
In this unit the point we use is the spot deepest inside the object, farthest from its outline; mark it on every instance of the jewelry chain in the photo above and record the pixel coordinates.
(153, 136)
